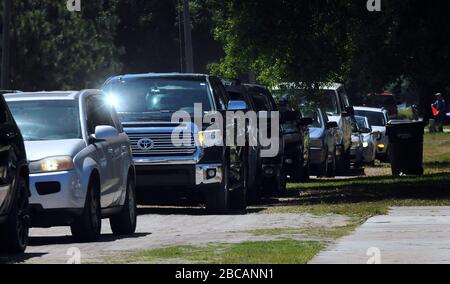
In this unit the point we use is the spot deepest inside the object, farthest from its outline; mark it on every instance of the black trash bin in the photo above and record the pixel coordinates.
(406, 147)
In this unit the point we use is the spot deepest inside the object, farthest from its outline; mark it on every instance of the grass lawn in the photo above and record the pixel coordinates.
(267, 252)
(359, 198)
(363, 197)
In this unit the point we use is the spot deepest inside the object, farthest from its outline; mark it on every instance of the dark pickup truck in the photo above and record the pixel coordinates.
(147, 105)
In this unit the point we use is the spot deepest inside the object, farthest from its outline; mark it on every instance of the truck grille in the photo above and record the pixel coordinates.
(161, 145)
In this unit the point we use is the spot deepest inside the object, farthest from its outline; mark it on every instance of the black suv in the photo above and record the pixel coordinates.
(296, 142)
(198, 162)
(14, 193)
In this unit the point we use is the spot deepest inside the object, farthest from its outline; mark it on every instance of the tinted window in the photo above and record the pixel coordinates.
(47, 120)
(148, 95)
(375, 118)
(98, 113)
(362, 123)
(315, 115)
(261, 103)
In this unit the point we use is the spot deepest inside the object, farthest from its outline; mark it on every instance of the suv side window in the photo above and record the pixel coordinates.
(344, 98)
(98, 113)
(221, 94)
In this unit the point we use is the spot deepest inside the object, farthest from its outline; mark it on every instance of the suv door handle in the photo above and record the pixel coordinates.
(11, 135)
(110, 151)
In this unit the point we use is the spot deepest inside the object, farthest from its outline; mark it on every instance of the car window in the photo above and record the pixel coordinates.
(344, 98)
(261, 102)
(47, 119)
(315, 115)
(221, 94)
(375, 118)
(98, 113)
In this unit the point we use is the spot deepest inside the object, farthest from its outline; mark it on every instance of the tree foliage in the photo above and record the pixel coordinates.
(314, 41)
(53, 48)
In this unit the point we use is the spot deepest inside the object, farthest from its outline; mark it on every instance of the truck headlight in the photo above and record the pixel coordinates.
(210, 138)
(52, 164)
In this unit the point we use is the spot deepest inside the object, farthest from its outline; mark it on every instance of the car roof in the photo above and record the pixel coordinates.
(44, 95)
(372, 109)
(159, 75)
(332, 86)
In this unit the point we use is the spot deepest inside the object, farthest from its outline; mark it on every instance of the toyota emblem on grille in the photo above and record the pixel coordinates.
(146, 144)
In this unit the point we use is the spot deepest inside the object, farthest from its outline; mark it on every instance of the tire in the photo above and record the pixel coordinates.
(217, 197)
(238, 197)
(125, 222)
(87, 227)
(323, 168)
(343, 164)
(14, 232)
(331, 170)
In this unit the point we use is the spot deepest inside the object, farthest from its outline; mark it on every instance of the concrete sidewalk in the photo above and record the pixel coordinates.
(409, 235)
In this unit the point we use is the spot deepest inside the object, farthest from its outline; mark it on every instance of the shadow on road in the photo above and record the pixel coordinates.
(64, 240)
(18, 258)
(190, 211)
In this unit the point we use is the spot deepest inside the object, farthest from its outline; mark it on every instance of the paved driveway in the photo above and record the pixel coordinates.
(159, 227)
(407, 235)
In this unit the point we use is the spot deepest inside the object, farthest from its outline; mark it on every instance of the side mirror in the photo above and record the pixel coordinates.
(331, 124)
(349, 111)
(237, 106)
(288, 116)
(104, 133)
(305, 121)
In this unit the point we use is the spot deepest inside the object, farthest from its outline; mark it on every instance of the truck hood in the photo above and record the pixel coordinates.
(38, 150)
(315, 133)
(146, 117)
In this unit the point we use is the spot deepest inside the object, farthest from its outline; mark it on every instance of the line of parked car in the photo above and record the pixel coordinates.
(75, 158)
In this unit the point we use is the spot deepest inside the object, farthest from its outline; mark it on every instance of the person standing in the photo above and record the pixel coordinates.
(440, 109)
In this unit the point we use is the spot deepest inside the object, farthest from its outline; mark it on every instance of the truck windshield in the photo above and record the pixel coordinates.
(47, 120)
(149, 95)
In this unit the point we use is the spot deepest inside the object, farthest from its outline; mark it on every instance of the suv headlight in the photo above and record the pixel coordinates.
(52, 164)
(210, 138)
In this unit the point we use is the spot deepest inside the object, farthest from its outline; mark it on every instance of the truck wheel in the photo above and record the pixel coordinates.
(217, 197)
(87, 227)
(238, 197)
(343, 164)
(331, 170)
(125, 222)
(323, 168)
(14, 232)
(278, 186)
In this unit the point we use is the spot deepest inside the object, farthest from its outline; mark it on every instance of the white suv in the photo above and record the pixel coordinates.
(80, 162)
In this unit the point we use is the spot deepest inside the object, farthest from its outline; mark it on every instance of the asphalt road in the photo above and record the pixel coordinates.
(407, 235)
(159, 227)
